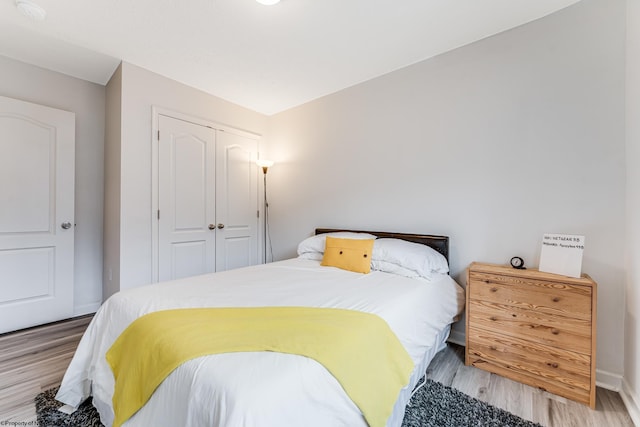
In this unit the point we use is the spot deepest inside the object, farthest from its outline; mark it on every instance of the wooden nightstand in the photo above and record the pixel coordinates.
(533, 327)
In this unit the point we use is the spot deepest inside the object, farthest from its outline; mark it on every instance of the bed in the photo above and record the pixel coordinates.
(267, 388)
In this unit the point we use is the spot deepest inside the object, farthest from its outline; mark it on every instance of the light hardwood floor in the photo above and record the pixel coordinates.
(527, 402)
(35, 359)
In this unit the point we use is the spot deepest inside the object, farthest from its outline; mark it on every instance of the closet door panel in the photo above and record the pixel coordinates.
(186, 199)
(236, 201)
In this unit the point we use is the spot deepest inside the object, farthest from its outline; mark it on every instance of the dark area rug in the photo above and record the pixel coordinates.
(49, 416)
(434, 405)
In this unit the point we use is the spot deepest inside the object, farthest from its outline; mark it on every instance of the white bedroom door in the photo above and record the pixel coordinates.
(186, 199)
(236, 201)
(37, 168)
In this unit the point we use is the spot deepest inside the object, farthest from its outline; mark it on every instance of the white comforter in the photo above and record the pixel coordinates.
(260, 388)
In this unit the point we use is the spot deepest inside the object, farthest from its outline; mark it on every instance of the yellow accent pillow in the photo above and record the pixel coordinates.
(348, 254)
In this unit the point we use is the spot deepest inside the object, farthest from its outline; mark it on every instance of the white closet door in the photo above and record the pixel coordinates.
(186, 199)
(236, 201)
(37, 168)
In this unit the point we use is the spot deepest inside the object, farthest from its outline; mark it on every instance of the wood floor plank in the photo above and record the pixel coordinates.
(511, 396)
(34, 360)
(541, 408)
(472, 382)
(443, 369)
(610, 408)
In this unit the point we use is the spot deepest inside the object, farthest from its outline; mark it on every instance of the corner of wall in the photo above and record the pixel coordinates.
(631, 381)
(631, 401)
(112, 184)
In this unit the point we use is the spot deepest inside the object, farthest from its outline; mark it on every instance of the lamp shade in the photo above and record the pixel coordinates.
(263, 163)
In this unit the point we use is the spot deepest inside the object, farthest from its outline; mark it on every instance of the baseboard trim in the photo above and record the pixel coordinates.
(608, 380)
(457, 337)
(631, 401)
(83, 309)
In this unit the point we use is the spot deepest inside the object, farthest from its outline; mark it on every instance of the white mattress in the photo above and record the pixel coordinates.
(263, 388)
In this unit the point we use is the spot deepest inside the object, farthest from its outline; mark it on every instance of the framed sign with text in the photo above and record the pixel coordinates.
(562, 254)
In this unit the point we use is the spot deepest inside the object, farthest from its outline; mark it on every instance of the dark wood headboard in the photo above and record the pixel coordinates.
(439, 243)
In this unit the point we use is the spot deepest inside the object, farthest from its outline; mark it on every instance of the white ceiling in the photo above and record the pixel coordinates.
(266, 58)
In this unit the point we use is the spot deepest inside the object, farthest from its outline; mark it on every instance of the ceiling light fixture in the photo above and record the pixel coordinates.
(268, 2)
(31, 10)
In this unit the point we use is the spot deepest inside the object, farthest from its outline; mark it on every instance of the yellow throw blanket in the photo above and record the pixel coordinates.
(359, 349)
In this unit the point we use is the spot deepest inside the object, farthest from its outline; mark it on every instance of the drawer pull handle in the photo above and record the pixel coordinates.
(493, 347)
(494, 289)
(486, 281)
(493, 318)
(556, 299)
(555, 331)
(553, 365)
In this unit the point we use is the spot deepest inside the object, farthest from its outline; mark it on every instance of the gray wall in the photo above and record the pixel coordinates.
(112, 184)
(140, 91)
(29, 83)
(493, 144)
(631, 387)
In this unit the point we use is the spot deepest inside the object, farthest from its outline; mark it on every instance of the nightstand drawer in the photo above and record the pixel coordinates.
(542, 328)
(542, 296)
(570, 368)
(559, 372)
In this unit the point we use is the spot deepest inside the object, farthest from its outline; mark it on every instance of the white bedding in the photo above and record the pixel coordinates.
(263, 388)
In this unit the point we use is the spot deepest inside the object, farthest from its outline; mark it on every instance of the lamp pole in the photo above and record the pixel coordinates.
(266, 210)
(265, 165)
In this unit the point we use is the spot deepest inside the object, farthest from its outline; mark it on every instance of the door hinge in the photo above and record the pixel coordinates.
(258, 213)
(158, 213)
(158, 134)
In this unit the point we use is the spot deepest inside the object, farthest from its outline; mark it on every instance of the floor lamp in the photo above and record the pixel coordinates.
(265, 165)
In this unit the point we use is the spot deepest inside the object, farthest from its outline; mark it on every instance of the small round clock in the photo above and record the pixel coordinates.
(517, 262)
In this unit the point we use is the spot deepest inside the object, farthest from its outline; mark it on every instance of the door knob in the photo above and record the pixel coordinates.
(221, 226)
(212, 226)
(66, 225)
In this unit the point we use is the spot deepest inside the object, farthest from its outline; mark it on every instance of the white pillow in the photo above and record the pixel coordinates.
(315, 244)
(316, 256)
(389, 267)
(422, 259)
